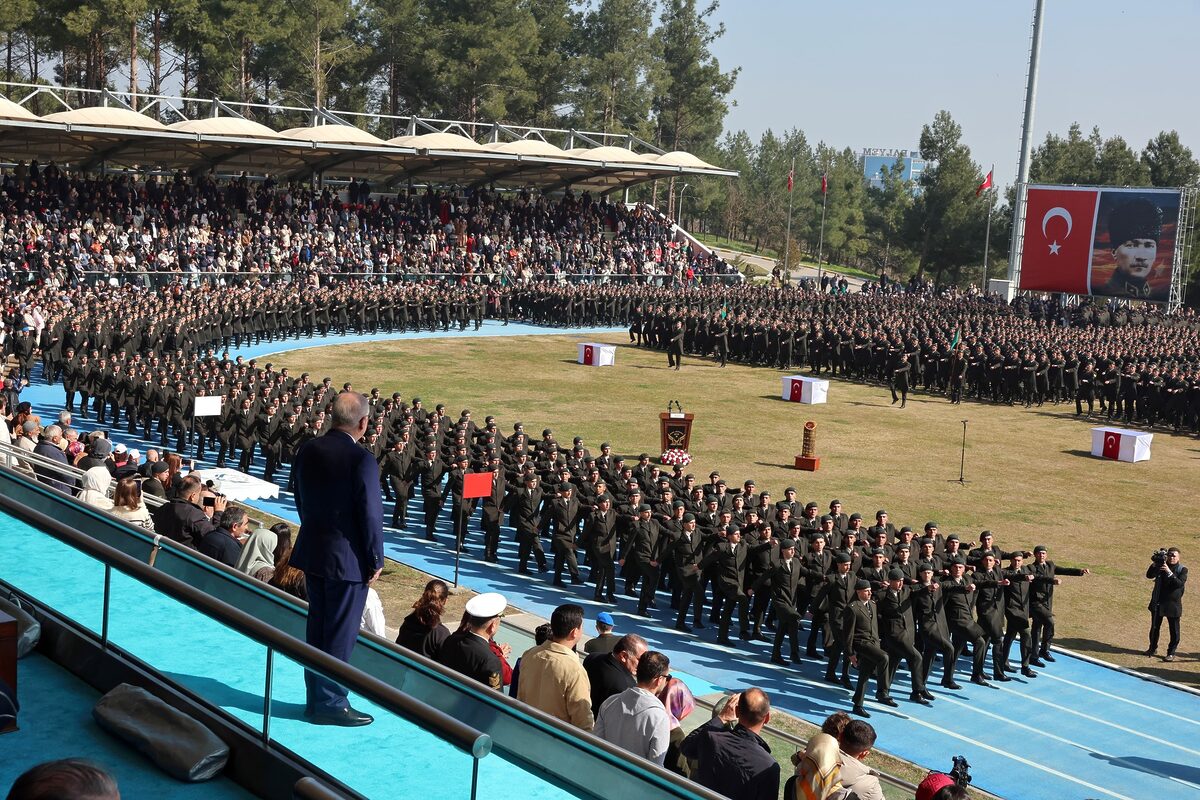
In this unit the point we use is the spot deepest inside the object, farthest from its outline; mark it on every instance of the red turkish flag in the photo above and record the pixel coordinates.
(588, 356)
(477, 484)
(987, 184)
(797, 391)
(1060, 224)
(1112, 445)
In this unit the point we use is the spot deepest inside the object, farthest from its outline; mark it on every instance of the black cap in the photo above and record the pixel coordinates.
(895, 575)
(925, 566)
(786, 544)
(1041, 548)
(860, 584)
(689, 517)
(841, 557)
(855, 516)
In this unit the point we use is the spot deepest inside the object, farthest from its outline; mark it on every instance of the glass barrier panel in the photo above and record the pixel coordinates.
(53, 573)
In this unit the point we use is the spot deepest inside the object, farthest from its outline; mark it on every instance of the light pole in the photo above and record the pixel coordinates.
(679, 206)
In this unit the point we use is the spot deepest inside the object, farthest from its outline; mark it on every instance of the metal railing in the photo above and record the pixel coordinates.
(466, 738)
(547, 747)
(11, 456)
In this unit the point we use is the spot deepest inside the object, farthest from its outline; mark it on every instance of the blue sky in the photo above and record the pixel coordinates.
(870, 73)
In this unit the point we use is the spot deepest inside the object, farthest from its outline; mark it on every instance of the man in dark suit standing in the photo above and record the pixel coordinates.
(339, 547)
(1166, 602)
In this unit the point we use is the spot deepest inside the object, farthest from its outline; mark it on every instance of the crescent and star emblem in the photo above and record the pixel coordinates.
(1057, 211)
(1110, 441)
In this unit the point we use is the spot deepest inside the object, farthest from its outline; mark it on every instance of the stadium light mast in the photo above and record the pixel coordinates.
(1018, 223)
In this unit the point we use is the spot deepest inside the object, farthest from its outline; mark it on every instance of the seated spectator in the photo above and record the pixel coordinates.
(636, 719)
(173, 476)
(224, 541)
(154, 485)
(69, 777)
(540, 634)
(182, 519)
(613, 673)
(48, 448)
(677, 698)
(124, 462)
(150, 460)
(287, 578)
(27, 441)
(422, 631)
(819, 764)
(553, 680)
(129, 506)
(939, 786)
(736, 762)
(258, 555)
(95, 488)
(467, 650)
(858, 780)
(605, 639)
(99, 454)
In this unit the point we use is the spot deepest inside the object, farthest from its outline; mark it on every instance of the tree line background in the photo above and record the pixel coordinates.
(620, 66)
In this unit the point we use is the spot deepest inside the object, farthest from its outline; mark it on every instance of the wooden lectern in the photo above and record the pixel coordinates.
(676, 429)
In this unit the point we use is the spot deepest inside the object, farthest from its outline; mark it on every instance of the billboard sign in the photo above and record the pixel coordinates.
(1100, 241)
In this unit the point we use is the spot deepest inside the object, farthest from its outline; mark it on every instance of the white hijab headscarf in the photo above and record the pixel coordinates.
(95, 488)
(259, 551)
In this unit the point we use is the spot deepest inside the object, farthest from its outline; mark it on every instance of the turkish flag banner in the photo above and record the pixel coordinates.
(797, 391)
(1112, 445)
(477, 484)
(589, 355)
(1060, 225)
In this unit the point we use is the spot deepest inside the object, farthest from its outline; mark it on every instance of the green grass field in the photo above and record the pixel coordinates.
(1031, 479)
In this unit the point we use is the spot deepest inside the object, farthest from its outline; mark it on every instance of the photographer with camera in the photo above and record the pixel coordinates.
(943, 786)
(1166, 601)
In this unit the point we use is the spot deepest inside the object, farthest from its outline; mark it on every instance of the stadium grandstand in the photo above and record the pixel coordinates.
(99, 130)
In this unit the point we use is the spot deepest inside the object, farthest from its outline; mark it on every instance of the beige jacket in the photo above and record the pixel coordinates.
(553, 681)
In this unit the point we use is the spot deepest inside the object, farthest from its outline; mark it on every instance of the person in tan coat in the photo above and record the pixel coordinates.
(552, 678)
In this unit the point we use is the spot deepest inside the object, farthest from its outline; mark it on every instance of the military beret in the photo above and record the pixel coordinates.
(841, 557)
(880, 513)
(619, 460)
(895, 575)
(577, 440)
(714, 474)
(643, 507)
(689, 477)
(952, 537)
(927, 541)
(929, 525)
(710, 498)
(749, 483)
(789, 489)
(903, 546)
(417, 400)
(878, 530)
(796, 523)
(906, 529)
(565, 487)
(604, 498)
(855, 516)
(722, 482)
(532, 476)
(664, 479)
(547, 432)
(809, 505)
(689, 517)
(158, 468)
(860, 584)
(983, 534)
(957, 560)
(732, 529)
(925, 566)
(878, 551)
(782, 504)
(643, 456)
(825, 518)
(787, 544)
(635, 491)
(604, 445)
(1041, 548)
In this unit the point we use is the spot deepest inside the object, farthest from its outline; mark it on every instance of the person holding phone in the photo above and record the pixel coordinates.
(187, 518)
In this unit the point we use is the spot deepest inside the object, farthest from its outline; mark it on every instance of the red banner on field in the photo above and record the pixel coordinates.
(797, 391)
(477, 484)
(1060, 225)
(589, 356)
(1112, 445)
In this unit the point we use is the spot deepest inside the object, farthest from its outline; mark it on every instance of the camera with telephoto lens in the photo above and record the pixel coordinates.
(1159, 556)
(961, 772)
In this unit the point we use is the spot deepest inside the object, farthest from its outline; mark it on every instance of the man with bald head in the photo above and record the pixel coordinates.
(339, 546)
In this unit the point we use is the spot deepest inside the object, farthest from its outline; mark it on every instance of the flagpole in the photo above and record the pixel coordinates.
(787, 247)
(987, 236)
(821, 238)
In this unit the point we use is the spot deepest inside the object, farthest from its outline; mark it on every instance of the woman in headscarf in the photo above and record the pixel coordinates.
(679, 702)
(258, 556)
(95, 488)
(819, 765)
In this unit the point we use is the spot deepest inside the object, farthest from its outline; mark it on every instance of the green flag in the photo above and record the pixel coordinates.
(957, 336)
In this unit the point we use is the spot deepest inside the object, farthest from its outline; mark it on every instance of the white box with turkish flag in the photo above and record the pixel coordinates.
(1121, 444)
(803, 389)
(594, 354)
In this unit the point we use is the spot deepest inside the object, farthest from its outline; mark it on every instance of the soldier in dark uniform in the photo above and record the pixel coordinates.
(898, 632)
(931, 624)
(1041, 603)
(958, 592)
(564, 513)
(600, 538)
(525, 511)
(686, 553)
(1016, 611)
(784, 583)
(836, 594)
(430, 472)
(860, 635)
